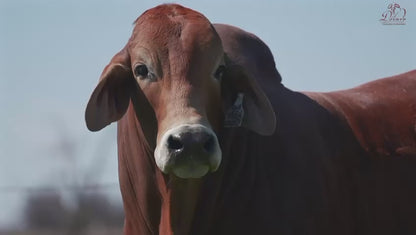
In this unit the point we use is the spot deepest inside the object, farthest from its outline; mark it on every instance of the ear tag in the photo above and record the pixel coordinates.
(234, 115)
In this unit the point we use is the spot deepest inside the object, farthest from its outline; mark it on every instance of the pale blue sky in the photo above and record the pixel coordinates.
(52, 53)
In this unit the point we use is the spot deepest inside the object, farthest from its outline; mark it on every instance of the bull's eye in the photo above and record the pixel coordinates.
(219, 72)
(141, 71)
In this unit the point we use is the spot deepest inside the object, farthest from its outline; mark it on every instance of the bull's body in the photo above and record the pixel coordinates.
(318, 174)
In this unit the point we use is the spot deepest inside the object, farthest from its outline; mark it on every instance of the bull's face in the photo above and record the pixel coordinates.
(175, 60)
(181, 80)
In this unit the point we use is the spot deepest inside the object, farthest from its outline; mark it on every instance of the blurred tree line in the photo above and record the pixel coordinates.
(46, 211)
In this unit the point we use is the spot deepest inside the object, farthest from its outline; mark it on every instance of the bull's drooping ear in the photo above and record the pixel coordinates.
(111, 97)
(246, 104)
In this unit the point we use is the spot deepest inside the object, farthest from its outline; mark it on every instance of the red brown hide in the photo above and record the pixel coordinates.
(337, 163)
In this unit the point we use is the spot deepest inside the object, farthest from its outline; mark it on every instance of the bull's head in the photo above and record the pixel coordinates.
(175, 63)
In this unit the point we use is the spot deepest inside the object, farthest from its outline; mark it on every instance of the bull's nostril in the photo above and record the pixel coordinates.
(209, 144)
(174, 143)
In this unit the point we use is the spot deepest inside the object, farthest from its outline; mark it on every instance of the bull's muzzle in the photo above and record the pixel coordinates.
(188, 151)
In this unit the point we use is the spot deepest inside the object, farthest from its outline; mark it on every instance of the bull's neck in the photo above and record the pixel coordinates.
(179, 203)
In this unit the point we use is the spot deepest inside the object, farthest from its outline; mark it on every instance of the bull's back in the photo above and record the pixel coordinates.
(382, 117)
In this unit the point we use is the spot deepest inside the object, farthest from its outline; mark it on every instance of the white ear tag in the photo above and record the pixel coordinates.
(235, 114)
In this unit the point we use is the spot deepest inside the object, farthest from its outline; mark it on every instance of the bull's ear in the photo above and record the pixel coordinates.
(111, 97)
(246, 104)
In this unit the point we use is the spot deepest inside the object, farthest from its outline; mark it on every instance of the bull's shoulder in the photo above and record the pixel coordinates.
(381, 114)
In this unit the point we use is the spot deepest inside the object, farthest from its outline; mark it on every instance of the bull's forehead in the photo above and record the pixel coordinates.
(176, 34)
(168, 21)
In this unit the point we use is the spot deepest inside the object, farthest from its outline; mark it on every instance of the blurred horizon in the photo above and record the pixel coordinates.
(52, 53)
